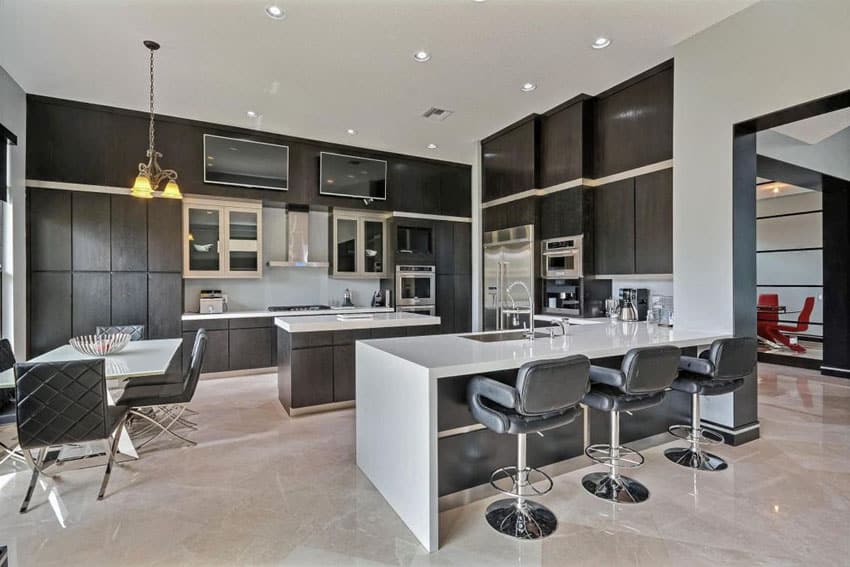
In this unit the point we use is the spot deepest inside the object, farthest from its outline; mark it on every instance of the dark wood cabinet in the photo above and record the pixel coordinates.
(462, 244)
(91, 302)
(634, 123)
(129, 234)
(49, 228)
(312, 376)
(90, 230)
(455, 191)
(165, 305)
(446, 302)
(50, 318)
(129, 298)
(344, 373)
(509, 160)
(462, 286)
(562, 213)
(565, 142)
(165, 221)
(444, 247)
(250, 348)
(515, 213)
(654, 223)
(614, 230)
(216, 358)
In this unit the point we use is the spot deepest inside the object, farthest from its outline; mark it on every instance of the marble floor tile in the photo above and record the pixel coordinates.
(261, 488)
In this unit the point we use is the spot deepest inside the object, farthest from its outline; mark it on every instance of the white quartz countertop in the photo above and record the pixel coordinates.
(454, 355)
(267, 313)
(311, 323)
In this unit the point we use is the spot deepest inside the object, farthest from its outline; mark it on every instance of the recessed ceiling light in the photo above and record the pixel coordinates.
(432, 146)
(528, 87)
(479, 1)
(275, 12)
(252, 114)
(776, 189)
(421, 56)
(351, 131)
(601, 43)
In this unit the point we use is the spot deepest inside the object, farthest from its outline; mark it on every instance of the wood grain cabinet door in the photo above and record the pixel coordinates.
(614, 219)
(250, 348)
(344, 372)
(654, 223)
(312, 376)
(90, 230)
(49, 225)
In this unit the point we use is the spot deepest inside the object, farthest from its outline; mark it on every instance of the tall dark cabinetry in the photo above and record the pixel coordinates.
(509, 160)
(92, 263)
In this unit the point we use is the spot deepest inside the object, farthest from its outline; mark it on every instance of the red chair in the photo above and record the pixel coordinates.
(767, 318)
(803, 318)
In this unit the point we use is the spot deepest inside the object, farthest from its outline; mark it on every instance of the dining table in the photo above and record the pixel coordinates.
(139, 359)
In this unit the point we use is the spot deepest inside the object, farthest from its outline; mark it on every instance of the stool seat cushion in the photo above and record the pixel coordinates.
(609, 398)
(699, 384)
(507, 421)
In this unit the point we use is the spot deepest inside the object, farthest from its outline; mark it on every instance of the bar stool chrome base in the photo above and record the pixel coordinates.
(618, 489)
(695, 459)
(522, 519)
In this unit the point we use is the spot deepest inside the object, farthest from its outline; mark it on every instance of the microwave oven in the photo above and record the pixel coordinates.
(561, 258)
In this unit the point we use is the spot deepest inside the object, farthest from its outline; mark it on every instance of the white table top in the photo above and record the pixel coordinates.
(453, 355)
(267, 313)
(302, 324)
(139, 358)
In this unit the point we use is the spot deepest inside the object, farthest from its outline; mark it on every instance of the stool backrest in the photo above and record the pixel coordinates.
(650, 369)
(60, 402)
(545, 386)
(733, 358)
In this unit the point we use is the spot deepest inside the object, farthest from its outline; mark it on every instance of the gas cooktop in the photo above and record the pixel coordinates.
(299, 307)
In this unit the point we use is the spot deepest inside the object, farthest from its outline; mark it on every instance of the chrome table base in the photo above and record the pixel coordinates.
(695, 459)
(524, 519)
(618, 489)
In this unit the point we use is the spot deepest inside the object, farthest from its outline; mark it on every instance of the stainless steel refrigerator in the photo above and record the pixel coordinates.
(508, 258)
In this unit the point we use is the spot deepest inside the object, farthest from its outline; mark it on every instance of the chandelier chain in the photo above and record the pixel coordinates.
(151, 127)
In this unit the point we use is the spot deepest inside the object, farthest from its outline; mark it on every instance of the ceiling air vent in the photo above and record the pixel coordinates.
(437, 114)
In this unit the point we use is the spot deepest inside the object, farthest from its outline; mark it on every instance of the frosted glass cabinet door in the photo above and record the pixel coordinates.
(374, 246)
(346, 245)
(204, 239)
(243, 238)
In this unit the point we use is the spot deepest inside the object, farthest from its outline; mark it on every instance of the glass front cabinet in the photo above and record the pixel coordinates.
(222, 239)
(359, 245)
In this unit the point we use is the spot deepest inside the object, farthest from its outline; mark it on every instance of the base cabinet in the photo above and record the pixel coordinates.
(343, 373)
(234, 344)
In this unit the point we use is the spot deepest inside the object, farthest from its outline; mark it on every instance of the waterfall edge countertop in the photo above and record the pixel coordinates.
(312, 323)
(454, 355)
(267, 313)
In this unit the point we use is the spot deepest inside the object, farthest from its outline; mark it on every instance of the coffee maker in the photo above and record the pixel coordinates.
(634, 303)
(382, 298)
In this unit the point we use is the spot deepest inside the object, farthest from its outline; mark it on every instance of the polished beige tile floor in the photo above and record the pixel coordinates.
(264, 489)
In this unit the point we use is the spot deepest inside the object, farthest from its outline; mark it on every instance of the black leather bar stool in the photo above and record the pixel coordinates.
(640, 383)
(547, 395)
(718, 370)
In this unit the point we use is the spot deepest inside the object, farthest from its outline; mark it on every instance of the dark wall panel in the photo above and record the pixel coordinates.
(49, 227)
(50, 313)
(129, 234)
(90, 230)
(563, 141)
(129, 298)
(91, 301)
(614, 232)
(654, 223)
(509, 161)
(165, 305)
(165, 235)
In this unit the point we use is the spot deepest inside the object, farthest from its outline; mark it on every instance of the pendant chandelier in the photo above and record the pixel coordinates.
(151, 176)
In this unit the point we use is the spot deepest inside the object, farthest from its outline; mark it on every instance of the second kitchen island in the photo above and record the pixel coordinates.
(315, 355)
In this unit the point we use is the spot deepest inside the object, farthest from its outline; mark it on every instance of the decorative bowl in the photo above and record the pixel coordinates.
(100, 345)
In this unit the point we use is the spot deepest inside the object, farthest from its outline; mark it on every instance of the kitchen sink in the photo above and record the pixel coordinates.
(502, 336)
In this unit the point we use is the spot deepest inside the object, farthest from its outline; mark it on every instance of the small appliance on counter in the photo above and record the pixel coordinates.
(575, 297)
(346, 298)
(382, 298)
(634, 303)
(212, 301)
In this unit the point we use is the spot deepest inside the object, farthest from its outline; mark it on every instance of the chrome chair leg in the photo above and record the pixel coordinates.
(116, 436)
(11, 453)
(693, 456)
(613, 486)
(163, 429)
(36, 469)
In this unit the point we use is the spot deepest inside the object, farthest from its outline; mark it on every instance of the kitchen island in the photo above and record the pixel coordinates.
(315, 354)
(421, 448)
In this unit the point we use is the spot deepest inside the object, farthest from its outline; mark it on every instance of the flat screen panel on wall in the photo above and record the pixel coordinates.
(231, 161)
(352, 176)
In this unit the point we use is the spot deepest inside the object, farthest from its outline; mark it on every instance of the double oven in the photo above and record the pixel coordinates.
(416, 289)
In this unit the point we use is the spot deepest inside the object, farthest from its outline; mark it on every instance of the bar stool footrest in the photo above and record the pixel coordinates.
(601, 453)
(506, 481)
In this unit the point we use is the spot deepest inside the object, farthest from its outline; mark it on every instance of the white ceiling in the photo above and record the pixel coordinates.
(818, 128)
(334, 65)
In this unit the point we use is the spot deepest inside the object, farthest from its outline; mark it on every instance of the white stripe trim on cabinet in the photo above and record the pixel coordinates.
(428, 216)
(651, 168)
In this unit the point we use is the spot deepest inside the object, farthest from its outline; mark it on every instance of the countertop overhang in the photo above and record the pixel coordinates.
(267, 313)
(454, 355)
(312, 323)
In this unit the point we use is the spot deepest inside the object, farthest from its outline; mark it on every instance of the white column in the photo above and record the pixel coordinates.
(476, 240)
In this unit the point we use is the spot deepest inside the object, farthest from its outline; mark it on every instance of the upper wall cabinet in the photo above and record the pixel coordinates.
(634, 124)
(358, 244)
(566, 142)
(509, 160)
(222, 239)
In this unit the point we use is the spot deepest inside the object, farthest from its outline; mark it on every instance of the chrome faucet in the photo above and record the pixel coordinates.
(529, 333)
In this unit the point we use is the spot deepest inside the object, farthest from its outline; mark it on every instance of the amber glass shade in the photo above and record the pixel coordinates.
(172, 191)
(142, 188)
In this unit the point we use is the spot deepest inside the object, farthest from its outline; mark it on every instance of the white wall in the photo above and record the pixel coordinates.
(771, 56)
(13, 115)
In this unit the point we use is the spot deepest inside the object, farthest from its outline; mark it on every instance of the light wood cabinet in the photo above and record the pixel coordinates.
(359, 245)
(222, 239)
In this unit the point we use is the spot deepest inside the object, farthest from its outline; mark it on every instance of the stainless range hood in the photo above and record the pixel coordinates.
(297, 241)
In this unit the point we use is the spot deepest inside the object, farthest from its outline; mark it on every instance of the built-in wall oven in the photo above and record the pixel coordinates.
(420, 309)
(415, 286)
(561, 258)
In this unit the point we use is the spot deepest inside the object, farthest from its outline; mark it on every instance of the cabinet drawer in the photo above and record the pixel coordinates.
(350, 337)
(251, 322)
(389, 332)
(308, 340)
(208, 324)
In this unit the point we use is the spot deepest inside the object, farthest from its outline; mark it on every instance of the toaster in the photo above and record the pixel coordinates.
(212, 302)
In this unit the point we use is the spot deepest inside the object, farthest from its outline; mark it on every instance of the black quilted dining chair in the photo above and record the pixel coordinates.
(136, 332)
(59, 403)
(7, 399)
